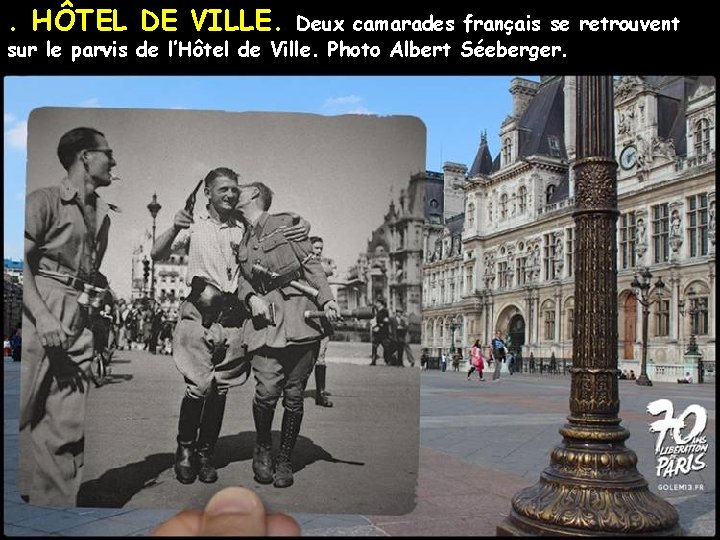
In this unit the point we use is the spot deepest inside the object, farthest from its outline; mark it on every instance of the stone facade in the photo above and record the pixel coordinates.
(515, 269)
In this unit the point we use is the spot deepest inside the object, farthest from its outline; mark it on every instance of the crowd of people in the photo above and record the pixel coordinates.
(143, 325)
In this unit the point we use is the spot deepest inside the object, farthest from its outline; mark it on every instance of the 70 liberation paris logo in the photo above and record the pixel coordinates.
(688, 451)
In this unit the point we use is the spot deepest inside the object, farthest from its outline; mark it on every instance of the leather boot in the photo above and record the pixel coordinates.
(210, 425)
(320, 397)
(185, 458)
(262, 453)
(283, 467)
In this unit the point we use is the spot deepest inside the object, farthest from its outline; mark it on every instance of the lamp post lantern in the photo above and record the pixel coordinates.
(154, 207)
(646, 296)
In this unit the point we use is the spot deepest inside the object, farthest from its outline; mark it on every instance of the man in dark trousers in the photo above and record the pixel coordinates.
(321, 396)
(381, 332)
(66, 234)
(401, 333)
(498, 353)
(275, 277)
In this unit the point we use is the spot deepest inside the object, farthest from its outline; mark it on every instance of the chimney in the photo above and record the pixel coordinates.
(522, 91)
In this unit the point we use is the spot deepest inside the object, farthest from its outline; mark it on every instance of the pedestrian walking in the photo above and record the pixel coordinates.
(66, 236)
(15, 344)
(381, 332)
(498, 352)
(277, 272)
(511, 362)
(477, 362)
(443, 362)
(401, 333)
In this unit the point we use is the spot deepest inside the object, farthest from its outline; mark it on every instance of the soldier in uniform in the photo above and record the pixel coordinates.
(284, 347)
(207, 343)
(66, 234)
(321, 396)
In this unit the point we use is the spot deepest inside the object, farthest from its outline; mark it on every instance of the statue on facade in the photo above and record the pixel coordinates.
(675, 225)
(625, 120)
(663, 148)
(558, 262)
(676, 238)
(640, 238)
(711, 223)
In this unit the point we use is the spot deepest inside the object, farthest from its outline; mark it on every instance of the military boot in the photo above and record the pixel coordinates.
(283, 466)
(262, 453)
(320, 395)
(185, 457)
(210, 426)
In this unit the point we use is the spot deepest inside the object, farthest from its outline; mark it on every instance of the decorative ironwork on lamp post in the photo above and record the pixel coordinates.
(453, 326)
(647, 297)
(154, 207)
(592, 485)
(697, 306)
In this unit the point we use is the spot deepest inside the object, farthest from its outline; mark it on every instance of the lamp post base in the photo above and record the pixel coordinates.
(591, 488)
(643, 380)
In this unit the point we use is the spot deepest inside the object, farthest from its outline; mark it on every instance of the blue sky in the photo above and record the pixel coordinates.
(454, 109)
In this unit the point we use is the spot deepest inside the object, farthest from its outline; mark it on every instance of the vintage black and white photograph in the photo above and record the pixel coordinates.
(222, 299)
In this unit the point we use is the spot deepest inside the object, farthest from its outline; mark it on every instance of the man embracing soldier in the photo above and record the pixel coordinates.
(280, 280)
(208, 348)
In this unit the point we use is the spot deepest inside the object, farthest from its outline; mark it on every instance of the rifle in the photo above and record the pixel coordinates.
(359, 313)
(190, 201)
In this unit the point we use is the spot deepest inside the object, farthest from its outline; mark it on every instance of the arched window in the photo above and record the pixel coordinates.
(549, 192)
(507, 151)
(503, 205)
(522, 199)
(702, 137)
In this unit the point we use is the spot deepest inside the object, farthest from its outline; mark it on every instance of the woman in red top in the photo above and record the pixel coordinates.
(477, 363)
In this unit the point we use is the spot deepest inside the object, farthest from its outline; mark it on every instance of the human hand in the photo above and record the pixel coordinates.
(332, 311)
(233, 511)
(51, 331)
(65, 371)
(299, 231)
(183, 219)
(259, 307)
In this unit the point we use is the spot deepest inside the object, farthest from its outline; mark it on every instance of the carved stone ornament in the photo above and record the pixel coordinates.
(628, 87)
(626, 120)
(663, 148)
(595, 185)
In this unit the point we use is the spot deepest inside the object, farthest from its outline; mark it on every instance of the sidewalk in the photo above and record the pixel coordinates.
(480, 444)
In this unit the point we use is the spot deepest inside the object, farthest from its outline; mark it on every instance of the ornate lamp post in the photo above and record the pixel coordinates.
(697, 305)
(646, 297)
(453, 326)
(592, 486)
(154, 207)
